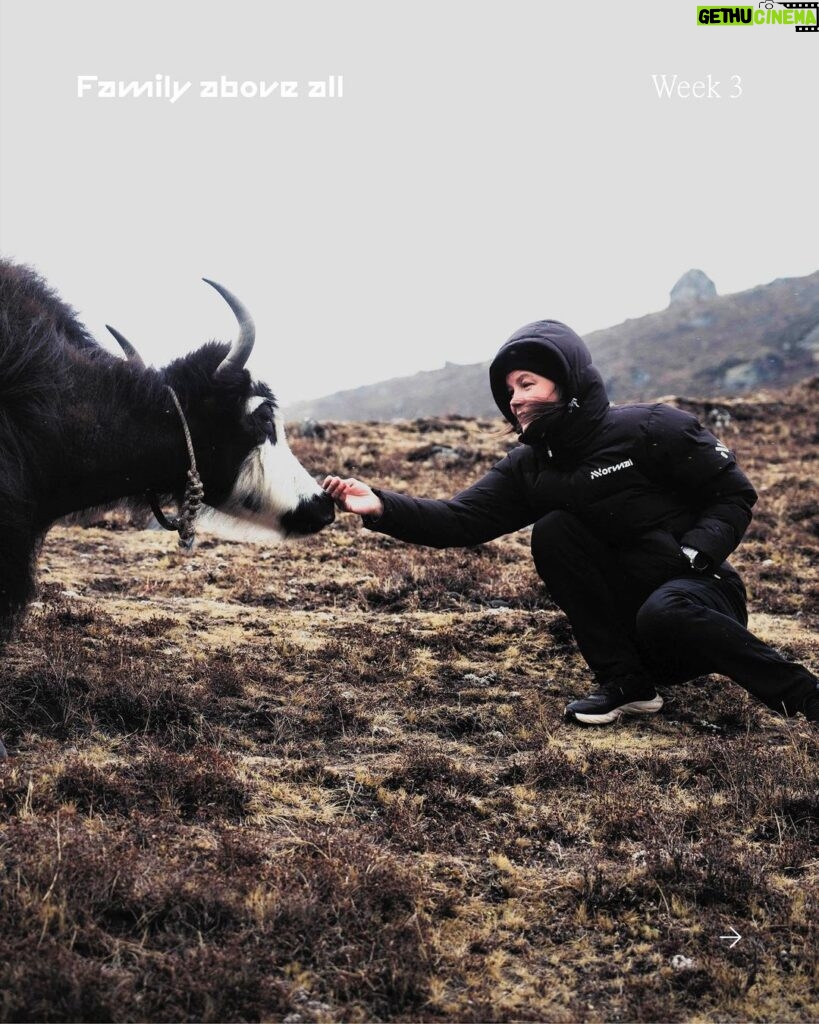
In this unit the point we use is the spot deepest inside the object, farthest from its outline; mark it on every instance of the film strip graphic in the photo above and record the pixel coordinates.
(801, 7)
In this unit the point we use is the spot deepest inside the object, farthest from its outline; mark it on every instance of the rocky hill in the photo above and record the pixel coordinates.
(701, 344)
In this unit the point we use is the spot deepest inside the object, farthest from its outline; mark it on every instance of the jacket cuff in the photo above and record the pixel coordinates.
(377, 522)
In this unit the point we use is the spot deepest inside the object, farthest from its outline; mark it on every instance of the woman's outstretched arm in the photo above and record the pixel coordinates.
(491, 507)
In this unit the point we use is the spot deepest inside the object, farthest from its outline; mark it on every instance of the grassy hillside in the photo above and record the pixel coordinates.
(331, 780)
(766, 336)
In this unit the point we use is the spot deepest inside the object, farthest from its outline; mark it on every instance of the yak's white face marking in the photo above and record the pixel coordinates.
(228, 526)
(270, 483)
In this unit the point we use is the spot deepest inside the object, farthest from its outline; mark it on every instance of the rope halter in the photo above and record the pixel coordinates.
(194, 492)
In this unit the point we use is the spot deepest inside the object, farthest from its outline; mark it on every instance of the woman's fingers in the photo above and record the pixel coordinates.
(352, 495)
(339, 490)
(334, 486)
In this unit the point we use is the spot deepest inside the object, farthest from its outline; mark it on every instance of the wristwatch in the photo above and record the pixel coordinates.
(698, 561)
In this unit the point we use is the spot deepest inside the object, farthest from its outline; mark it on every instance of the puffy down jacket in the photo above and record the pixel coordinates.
(644, 478)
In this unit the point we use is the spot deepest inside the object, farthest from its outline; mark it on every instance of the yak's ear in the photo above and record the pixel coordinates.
(264, 423)
(131, 353)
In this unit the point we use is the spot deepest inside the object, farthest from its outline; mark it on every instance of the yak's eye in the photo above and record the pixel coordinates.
(264, 423)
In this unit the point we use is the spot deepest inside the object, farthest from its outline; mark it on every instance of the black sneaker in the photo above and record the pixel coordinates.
(810, 705)
(628, 695)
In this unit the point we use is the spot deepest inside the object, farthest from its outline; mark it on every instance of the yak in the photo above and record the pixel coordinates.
(81, 428)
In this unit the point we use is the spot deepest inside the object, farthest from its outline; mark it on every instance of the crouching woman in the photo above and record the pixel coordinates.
(635, 510)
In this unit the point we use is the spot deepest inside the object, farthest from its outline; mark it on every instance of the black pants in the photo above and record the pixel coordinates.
(692, 625)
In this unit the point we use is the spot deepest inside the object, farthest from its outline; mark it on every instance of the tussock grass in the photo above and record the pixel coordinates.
(331, 781)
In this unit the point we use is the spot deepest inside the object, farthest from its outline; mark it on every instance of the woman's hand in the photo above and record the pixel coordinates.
(353, 496)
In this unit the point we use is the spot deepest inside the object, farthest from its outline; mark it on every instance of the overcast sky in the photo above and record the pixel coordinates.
(487, 164)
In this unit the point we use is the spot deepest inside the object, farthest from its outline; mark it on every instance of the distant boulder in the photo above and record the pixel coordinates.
(810, 343)
(693, 286)
(753, 374)
(442, 455)
(311, 428)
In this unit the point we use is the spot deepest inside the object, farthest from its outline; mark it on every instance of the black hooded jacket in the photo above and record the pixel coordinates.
(645, 479)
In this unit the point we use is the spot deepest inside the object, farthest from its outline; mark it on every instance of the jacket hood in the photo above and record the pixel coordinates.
(552, 349)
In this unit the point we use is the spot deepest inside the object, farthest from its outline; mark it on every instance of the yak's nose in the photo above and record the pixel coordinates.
(325, 508)
(310, 515)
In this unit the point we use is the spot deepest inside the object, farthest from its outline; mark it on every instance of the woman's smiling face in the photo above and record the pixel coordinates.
(528, 390)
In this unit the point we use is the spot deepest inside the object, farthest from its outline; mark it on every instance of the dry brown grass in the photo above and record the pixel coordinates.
(331, 780)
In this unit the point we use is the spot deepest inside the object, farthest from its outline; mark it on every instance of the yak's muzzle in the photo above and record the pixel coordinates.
(310, 515)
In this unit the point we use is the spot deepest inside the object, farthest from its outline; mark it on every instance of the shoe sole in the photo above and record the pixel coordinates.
(636, 707)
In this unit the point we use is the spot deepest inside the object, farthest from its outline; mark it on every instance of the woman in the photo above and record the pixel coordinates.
(635, 509)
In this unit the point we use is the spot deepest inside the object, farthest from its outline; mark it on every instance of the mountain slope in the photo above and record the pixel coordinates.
(727, 345)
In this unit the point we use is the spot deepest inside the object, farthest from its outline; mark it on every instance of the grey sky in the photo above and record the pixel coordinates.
(488, 164)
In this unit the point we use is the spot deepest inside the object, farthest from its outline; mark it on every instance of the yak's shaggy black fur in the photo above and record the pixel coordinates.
(80, 427)
(38, 335)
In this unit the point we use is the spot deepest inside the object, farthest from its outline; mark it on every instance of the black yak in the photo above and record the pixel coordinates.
(81, 428)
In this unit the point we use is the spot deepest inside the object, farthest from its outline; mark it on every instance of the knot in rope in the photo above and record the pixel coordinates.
(194, 492)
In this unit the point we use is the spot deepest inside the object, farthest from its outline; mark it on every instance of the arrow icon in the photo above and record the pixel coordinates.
(734, 938)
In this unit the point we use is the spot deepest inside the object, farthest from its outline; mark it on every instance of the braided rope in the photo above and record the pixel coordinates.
(194, 492)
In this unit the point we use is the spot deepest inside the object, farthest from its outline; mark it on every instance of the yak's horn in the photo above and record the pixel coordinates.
(241, 348)
(131, 353)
